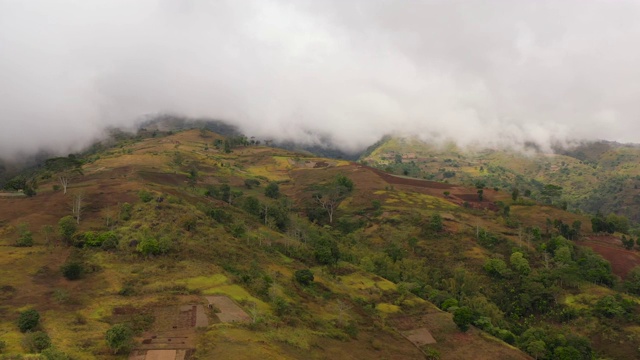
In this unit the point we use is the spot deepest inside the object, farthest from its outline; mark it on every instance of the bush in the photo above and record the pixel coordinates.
(55, 354)
(251, 183)
(304, 277)
(28, 320)
(125, 211)
(119, 338)
(67, 227)
(463, 317)
(145, 196)
(72, 270)
(450, 302)
(432, 354)
(272, 190)
(36, 341)
(25, 238)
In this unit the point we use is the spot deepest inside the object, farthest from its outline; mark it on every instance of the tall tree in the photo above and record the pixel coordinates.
(77, 204)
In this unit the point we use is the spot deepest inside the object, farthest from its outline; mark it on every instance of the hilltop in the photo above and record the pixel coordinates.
(209, 246)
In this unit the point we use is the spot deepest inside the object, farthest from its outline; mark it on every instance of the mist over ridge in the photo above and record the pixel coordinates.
(492, 73)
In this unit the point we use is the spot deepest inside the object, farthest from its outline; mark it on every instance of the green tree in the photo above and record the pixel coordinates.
(480, 194)
(514, 194)
(463, 317)
(609, 306)
(628, 243)
(620, 223)
(632, 282)
(496, 267)
(435, 223)
(119, 338)
(28, 320)
(304, 277)
(251, 205)
(272, 190)
(520, 263)
(67, 227)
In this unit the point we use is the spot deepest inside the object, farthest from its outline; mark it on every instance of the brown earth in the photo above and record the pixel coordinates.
(622, 260)
(229, 311)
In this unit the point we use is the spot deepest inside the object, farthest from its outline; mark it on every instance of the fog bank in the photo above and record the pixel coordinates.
(476, 72)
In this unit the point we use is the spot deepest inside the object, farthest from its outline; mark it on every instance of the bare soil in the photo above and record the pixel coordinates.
(229, 311)
(622, 260)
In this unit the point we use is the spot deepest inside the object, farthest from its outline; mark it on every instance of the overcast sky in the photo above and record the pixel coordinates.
(489, 72)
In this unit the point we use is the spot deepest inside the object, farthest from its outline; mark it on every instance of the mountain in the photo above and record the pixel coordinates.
(193, 245)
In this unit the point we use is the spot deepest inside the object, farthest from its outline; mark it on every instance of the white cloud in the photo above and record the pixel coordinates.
(490, 72)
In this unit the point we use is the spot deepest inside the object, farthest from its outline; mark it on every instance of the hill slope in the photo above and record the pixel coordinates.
(171, 225)
(595, 177)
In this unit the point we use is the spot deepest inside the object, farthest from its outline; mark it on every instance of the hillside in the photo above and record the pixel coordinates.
(595, 177)
(203, 247)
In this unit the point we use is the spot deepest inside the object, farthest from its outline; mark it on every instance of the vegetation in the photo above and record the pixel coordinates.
(28, 320)
(119, 338)
(324, 256)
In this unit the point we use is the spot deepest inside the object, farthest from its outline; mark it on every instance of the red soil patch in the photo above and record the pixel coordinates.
(458, 195)
(163, 178)
(392, 179)
(622, 260)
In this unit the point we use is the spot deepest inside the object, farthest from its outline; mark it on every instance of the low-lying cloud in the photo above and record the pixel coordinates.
(476, 72)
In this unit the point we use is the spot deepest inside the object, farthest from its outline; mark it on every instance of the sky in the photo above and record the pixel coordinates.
(487, 73)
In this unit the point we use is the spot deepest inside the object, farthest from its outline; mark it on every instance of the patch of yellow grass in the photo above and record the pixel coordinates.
(237, 293)
(205, 282)
(387, 308)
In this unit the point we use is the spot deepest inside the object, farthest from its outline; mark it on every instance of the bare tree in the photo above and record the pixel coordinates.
(77, 206)
(341, 308)
(64, 182)
(329, 202)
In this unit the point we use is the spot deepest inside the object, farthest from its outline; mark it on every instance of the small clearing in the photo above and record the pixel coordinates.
(229, 310)
(419, 337)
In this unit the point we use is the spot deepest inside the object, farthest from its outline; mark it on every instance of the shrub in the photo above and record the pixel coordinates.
(28, 320)
(67, 227)
(251, 183)
(432, 354)
(304, 277)
(272, 190)
(125, 211)
(55, 354)
(36, 341)
(119, 337)
(450, 302)
(72, 270)
(145, 196)
(25, 238)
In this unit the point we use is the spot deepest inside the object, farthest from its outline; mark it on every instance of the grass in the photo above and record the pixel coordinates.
(386, 308)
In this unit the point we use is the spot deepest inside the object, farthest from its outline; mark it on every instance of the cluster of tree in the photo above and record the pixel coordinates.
(610, 224)
(571, 232)
(36, 340)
